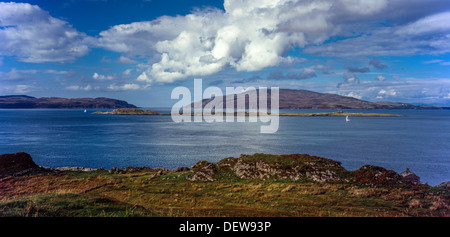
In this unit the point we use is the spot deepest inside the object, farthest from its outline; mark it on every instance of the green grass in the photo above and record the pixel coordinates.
(173, 195)
(70, 205)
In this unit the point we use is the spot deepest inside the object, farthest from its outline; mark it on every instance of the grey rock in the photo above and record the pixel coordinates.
(203, 171)
(444, 185)
(263, 170)
(410, 176)
(76, 169)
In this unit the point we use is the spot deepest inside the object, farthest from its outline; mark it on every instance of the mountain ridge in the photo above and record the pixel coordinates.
(305, 99)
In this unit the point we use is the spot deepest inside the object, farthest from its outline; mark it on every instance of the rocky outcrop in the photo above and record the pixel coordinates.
(444, 185)
(16, 164)
(288, 167)
(374, 176)
(130, 169)
(203, 171)
(410, 176)
(296, 167)
(76, 169)
(128, 112)
(261, 166)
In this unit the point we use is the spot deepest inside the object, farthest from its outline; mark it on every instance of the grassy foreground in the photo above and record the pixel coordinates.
(155, 193)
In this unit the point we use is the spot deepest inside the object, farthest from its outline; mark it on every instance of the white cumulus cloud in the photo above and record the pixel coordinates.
(101, 77)
(253, 35)
(32, 35)
(125, 87)
(247, 36)
(380, 78)
(79, 88)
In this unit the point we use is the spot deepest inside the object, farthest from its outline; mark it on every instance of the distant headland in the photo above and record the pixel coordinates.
(29, 102)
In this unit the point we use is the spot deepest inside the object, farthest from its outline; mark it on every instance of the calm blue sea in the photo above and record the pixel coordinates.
(55, 138)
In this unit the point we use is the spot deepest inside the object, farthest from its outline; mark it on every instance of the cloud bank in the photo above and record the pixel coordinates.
(252, 35)
(246, 36)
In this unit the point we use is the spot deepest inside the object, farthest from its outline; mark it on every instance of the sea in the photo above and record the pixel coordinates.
(420, 140)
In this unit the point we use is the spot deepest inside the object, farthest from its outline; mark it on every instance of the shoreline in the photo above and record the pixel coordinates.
(315, 114)
(258, 185)
(32, 167)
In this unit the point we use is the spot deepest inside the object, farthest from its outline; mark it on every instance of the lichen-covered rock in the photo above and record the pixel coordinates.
(11, 164)
(203, 171)
(289, 167)
(77, 169)
(264, 166)
(323, 175)
(227, 163)
(261, 170)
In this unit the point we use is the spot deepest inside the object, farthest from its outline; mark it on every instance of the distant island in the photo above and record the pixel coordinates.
(304, 99)
(323, 114)
(331, 114)
(129, 112)
(340, 113)
(29, 102)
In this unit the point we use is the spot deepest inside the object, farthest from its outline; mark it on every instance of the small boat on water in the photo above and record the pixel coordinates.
(347, 119)
(85, 111)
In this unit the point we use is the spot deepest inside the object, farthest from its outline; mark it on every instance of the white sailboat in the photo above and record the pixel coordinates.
(85, 111)
(347, 119)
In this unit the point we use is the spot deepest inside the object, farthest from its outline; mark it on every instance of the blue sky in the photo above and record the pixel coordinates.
(140, 50)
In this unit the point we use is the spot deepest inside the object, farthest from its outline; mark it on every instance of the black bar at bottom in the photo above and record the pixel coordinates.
(224, 225)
